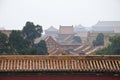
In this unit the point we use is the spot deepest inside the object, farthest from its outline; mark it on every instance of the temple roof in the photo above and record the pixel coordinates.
(7, 32)
(66, 30)
(106, 26)
(80, 28)
(108, 23)
(51, 29)
(19, 63)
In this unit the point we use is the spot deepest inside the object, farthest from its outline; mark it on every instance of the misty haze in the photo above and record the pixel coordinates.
(60, 39)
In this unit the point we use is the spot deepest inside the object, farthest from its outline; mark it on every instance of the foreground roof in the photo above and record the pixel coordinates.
(19, 63)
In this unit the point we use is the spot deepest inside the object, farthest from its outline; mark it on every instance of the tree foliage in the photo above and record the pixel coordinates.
(77, 39)
(113, 48)
(99, 40)
(17, 43)
(32, 31)
(22, 42)
(3, 43)
(40, 48)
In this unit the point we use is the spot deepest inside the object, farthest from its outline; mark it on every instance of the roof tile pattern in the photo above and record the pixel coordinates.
(60, 63)
(66, 30)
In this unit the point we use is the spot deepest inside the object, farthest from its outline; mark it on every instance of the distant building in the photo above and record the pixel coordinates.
(80, 28)
(68, 30)
(7, 32)
(53, 47)
(65, 38)
(65, 32)
(51, 42)
(102, 26)
(82, 32)
(92, 36)
(51, 31)
(107, 26)
(117, 29)
(2, 28)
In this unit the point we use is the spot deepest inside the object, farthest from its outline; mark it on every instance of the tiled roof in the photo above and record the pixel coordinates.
(102, 28)
(80, 28)
(66, 30)
(7, 32)
(18, 63)
(108, 23)
(56, 51)
(51, 29)
(105, 26)
(50, 39)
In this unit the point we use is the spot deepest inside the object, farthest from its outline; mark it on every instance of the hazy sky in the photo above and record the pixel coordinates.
(14, 13)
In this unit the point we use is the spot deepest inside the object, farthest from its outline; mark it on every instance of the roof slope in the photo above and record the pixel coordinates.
(51, 29)
(108, 23)
(106, 26)
(66, 30)
(19, 63)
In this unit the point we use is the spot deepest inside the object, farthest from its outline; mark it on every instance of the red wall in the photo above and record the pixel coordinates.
(59, 77)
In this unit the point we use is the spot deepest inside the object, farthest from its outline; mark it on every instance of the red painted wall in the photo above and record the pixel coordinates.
(59, 77)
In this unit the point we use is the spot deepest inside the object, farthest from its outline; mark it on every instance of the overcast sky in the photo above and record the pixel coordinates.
(14, 13)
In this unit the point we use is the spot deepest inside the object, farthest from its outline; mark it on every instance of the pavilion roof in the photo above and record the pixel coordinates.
(66, 30)
(51, 29)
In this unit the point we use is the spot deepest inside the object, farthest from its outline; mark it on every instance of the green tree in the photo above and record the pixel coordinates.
(22, 42)
(99, 40)
(18, 44)
(77, 39)
(94, 42)
(3, 43)
(115, 44)
(39, 49)
(113, 48)
(32, 31)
